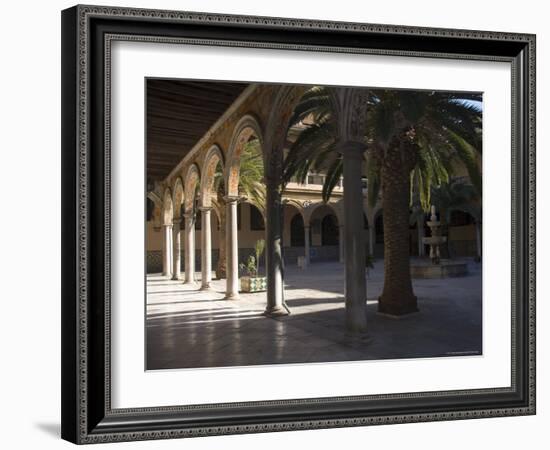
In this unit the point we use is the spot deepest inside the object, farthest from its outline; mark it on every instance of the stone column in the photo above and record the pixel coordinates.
(206, 248)
(306, 244)
(166, 253)
(189, 247)
(232, 249)
(176, 252)
(341, 242)
(273, 254)
(372, 238)
(356, 285)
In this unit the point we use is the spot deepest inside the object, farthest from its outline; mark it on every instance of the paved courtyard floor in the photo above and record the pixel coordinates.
(188, 328)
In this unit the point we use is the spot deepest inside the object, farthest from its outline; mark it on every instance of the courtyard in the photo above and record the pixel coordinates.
(190, 328)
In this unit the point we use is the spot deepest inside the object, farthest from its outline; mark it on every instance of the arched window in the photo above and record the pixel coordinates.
(329, 230)
(256, 219)
(297, 231)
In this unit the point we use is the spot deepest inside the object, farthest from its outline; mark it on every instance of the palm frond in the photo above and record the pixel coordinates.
(334, 173)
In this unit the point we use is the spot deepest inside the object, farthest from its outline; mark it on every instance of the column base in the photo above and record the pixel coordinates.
(356, 321)
(176, 278)
(206, 287)
(276, 311)
(232, 296)
(398, 309)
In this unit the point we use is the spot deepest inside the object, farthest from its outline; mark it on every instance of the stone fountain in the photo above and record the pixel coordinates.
(435, 240)
(437, 267)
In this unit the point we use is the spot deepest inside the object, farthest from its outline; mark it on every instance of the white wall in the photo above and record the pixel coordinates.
(30, 165)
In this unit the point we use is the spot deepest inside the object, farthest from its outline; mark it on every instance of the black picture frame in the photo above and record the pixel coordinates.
(87, 416)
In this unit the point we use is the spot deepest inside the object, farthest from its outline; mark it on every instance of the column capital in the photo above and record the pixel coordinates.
(351, 148)
(176, 221)
(205, 208)
(189, 214)
(167, 225)
(231, 198)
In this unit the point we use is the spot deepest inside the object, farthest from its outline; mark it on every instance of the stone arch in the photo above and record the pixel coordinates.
(177, 197)
(213, 157)
(291, 208)
(349, 105)
(320, 230)
(330, 234)
(167, 208)
(308, 214)
(156, 213)
(247, 127)
(192, 180)
(284, 100)
(296, 204)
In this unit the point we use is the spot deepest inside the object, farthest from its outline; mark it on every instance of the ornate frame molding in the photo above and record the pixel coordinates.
(86, 260)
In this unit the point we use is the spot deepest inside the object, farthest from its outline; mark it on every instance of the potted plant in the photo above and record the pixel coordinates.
(251, 282)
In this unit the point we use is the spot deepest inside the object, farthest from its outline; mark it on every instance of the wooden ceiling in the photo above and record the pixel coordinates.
(179, 113)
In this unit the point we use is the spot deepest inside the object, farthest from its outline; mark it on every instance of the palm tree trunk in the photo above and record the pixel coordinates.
(397, 296)
(221, 267)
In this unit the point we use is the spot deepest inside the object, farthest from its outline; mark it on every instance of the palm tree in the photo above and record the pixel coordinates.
(413, 138)
(251, 174)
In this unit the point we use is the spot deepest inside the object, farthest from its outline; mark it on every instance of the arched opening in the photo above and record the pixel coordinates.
(329, 230)
(154, 235)
(150, 210)
(192, 184)
(462, 234)
(167, 220)
(212, 176)
(325, 234)
(212, 196)
(293, 239)
(244, 181)
(257, 222)
(297, 237)
(251, 227)
(167, 208)
(245, 158)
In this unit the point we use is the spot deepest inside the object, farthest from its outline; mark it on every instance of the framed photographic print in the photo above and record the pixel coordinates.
(281, 224)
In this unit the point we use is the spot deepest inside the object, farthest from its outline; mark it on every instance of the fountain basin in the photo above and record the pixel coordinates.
(444, 269)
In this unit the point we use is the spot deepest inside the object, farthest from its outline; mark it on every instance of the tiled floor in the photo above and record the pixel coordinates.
(187, 327)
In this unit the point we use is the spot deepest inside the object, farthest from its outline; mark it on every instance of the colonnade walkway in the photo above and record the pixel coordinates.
(190, 328)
